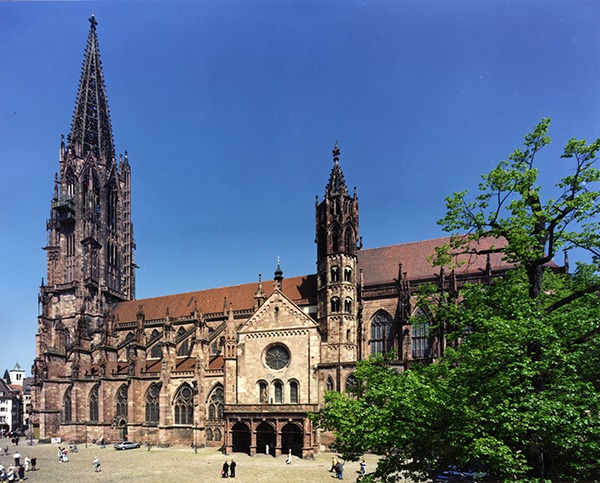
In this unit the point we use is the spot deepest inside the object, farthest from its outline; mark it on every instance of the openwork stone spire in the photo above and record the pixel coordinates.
(336, 185)
(91, 130)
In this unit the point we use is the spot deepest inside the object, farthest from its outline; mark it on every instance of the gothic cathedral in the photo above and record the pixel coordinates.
(238, 367)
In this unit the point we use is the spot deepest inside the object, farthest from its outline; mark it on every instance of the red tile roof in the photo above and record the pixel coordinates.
(380, 265)
(302, 290)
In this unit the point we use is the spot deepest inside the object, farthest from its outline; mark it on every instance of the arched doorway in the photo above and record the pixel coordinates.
(265, 437)
(291, 439)
(241, 438)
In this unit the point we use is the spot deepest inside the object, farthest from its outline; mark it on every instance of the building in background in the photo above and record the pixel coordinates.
(239, 367)
(10, 404)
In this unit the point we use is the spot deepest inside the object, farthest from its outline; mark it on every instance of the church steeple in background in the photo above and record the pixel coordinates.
(336, 238)
(91, 130)
(90, 246)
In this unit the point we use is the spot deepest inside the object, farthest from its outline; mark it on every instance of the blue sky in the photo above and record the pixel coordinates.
(229, 111)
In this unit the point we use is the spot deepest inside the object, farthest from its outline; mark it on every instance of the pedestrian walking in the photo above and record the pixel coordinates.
(27, 463)
(21, 472)
(6, 450)
(232, 468)
(288, 461)
(225, 470)
(96, 464)
(17, 458)
(33, 463)
(363, 467)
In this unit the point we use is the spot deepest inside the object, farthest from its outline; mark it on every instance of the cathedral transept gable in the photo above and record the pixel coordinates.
(277, 313)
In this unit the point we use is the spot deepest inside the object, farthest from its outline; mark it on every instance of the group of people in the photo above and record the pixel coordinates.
(63, 455)
(17, 471)
(337, 467)
(228, 470)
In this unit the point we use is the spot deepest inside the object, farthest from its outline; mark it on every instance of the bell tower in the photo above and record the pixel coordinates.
(336, 239)
(90, 246)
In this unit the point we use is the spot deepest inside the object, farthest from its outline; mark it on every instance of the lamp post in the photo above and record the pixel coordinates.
(86, 423)
(195, 438)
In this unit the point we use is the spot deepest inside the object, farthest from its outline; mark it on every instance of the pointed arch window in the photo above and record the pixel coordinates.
(335, 241)
(216, 402)
(348, 242)
(153, 404)
(184, 349)
(122, 400)
(293, 392)
(209, 435)
(69, 185)
(352, 385)
(184, 405)
(111, 212)
(381, 329)
(420, 335)
(93, 406)
(217, 434)
(329, 384)
(68, 406)
(156, 352)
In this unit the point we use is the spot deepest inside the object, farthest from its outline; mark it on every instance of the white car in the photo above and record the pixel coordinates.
(127, 445)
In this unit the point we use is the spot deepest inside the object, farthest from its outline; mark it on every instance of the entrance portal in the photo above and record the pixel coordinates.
(265, 439)
(241, 438)
(291, 439)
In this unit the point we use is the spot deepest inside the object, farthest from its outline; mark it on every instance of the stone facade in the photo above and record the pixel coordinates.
(237, 367)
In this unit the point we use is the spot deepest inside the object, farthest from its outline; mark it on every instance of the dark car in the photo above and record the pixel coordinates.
(127, 445)
(453, 474)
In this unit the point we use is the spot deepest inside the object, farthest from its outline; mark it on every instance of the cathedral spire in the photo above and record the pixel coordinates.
(91, 130)
(337, 184)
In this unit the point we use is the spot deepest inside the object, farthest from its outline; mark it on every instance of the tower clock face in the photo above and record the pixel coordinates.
(277, 357)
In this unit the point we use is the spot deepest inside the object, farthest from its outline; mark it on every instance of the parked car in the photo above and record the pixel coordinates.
(455, 474)
(127, 445)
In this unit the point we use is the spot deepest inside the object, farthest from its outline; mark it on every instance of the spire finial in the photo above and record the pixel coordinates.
(278, 274)
(93, 22)
(336, 152)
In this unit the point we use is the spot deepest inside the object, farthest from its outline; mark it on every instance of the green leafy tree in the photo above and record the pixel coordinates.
(519, 396)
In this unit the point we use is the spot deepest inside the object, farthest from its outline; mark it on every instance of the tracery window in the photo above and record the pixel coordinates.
(381, 329)
(184, 405)
(209, 435)
(352, 385)
(420, 337)
(93, 406)
(277, 357)
(184, 348)
(67, 407)
(329, 384)
(122, 400)
(217, 434)
(215, 403)
(156, 351)
(153, 404)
